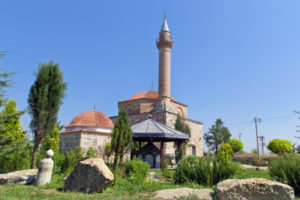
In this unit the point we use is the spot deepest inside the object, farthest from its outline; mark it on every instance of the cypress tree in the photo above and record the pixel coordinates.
(44, 100)
(121, 141)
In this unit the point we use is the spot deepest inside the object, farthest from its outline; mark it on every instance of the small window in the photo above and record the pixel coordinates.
(194, 150)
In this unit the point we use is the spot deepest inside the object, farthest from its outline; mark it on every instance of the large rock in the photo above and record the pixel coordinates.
(91, 175)
(253, 189)
(170, 194)
(18, 176)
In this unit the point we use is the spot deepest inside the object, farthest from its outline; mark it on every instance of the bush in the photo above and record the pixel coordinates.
(280, 146)
(286, 169)
(259, 163)
(236, 145)
(91, 153)
(204, 170)
(226, 151)
(137, 170)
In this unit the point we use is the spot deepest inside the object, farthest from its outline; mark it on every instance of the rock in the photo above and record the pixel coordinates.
(170, 194)
(4, 178)
(45, 169)
(253, 189)
(91, 175)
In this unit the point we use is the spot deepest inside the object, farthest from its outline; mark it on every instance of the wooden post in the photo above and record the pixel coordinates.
(132, 151)
(161, 153)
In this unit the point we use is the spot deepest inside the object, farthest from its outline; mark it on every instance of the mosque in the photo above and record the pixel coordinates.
(94, 129)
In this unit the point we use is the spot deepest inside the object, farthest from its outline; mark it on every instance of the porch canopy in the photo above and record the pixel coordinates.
(152, 131)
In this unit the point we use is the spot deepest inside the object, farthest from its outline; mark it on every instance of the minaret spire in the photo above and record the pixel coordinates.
(165, 26)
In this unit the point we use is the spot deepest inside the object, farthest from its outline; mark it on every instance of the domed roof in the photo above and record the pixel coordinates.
(91, 118)
(147, 95)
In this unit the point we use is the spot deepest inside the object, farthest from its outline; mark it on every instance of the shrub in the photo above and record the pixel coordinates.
(91, 153)
(226, 151)
(137, 170)
(279, 146)
(261, 162)
(204, 170)
(236, 145)
(286, 169)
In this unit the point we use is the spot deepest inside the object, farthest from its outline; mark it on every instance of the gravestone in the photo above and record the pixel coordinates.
(45, 169)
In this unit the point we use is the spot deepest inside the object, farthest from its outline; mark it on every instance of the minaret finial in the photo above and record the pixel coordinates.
(165, 15)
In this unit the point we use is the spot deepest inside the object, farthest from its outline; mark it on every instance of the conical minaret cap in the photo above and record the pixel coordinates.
(165, 26)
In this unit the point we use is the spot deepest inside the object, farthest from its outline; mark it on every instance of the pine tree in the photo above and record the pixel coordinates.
(217, 135)
(13, 145)
(12, 124)
(44, 100)
(121, 141)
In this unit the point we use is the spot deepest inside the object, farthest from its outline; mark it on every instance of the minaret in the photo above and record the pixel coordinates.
(164, 44)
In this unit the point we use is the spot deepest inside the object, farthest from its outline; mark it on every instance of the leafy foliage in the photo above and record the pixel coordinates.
(137, 170)
(91, 153)
(216, 135)
(286, 169)
(44, 100)
(236, 145)
(121, 140)
(14, 146)
(226, 151)
(204, 170)
(279, 146)
(51, 141)
(182, 126)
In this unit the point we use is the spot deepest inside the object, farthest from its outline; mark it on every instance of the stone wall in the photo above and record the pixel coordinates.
(68, 141)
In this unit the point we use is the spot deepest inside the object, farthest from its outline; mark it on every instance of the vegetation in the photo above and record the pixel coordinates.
(107, 151)
(183, 127)
(279, 146)
(204, 170)
(51, 141)
(91, 153)
(236, 145)
(286, 169)
(217, 135)
(137, 170)
(14, 146)
(44, 100)
(121, 140)
(226, 151)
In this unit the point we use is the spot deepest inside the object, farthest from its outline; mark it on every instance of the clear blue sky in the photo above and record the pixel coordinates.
(233, 60)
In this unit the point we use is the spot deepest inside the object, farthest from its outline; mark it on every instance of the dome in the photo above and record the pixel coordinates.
(91, 118)
(147, 95)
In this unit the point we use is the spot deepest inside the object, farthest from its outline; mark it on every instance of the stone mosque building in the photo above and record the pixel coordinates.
(93, 128)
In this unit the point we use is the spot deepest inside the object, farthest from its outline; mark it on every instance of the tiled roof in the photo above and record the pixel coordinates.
(85, 130)
(147, 95)
(91, 118)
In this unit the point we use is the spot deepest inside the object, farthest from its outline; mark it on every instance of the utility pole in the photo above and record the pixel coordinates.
(298, 113)
(240, 136)
(255, 121)
(262, 142)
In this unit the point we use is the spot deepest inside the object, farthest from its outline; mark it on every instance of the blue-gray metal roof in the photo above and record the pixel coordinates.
(155, 130)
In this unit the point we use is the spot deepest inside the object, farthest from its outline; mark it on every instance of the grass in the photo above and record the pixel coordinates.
(122, 188)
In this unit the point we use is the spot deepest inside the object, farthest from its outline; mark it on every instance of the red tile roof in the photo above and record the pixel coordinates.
(147, 95)
(91, 118)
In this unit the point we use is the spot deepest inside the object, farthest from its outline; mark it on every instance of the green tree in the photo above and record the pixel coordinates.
(12, 124)
(226, 151)
(107, 151)
(217, 135)
(279, 146)
(182, 126)
(44, 100)
(236, 145)
(121, 140)
(51, 141)
(13, 144)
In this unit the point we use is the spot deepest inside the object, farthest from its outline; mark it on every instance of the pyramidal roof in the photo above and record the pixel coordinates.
(165, 26)
(152, 129)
